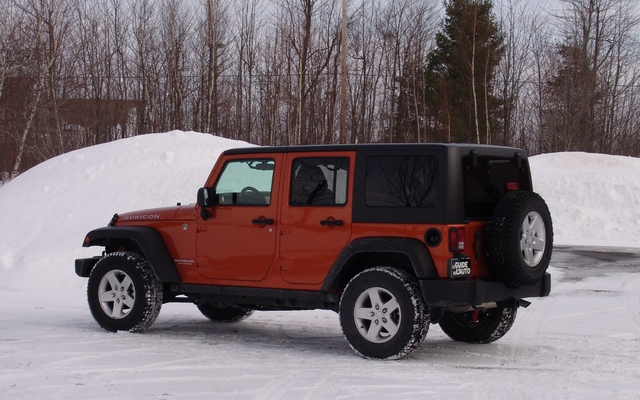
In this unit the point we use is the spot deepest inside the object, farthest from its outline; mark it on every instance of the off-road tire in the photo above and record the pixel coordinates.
(124, 293)
(520, 239)
(223, 313)
(394, 299)
(487, 326)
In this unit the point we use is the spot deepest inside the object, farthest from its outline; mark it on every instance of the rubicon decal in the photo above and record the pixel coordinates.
(143, 216)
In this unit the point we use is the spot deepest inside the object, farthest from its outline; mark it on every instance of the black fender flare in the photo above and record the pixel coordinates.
(414, 249)
(148, 239)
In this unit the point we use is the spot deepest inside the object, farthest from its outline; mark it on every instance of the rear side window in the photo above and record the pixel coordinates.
(486, 183)
(319, 181)
(401, 181)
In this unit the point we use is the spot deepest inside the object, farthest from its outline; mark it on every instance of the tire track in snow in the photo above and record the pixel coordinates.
(510, 352)
(326, 388)
(279, 386)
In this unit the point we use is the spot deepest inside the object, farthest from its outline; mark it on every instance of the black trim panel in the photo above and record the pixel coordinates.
(149, 240)
(85, 265)
(274, 299)
(414, 249)
(439, 293)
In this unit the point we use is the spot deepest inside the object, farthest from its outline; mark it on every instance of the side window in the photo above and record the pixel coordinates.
(245, 182)
(409, 181)
(319, 181)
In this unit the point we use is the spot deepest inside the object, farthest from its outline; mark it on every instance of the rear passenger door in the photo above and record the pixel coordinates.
(315, 221)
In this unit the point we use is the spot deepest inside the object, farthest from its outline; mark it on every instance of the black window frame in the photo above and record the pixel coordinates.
(484, 183)
(398, 214)
(234, 195)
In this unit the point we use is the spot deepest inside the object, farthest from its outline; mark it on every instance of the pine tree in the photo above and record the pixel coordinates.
(459, 93)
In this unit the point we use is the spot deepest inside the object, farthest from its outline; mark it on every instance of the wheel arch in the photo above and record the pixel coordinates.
(410, 255)
(140, 239)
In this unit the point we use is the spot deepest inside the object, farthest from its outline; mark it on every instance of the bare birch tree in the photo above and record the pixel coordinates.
(10, 26)
(594, 77)
(312, 30)
(37, 57)
(524, 27)
(147, 62)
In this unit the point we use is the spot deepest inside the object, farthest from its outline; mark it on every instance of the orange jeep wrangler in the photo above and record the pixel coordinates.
(392, 237)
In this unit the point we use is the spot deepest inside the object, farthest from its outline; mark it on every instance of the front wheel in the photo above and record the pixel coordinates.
(124, 293)
(479, 326)
(383, 314)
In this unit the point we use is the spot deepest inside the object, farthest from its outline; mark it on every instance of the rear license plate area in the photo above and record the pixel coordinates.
(459, 267)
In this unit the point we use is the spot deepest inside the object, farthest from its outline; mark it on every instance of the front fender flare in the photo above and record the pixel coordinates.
(148, 239)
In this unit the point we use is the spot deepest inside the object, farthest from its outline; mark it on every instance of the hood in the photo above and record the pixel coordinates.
(159, 214)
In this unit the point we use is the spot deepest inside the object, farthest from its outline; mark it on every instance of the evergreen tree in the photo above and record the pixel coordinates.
(459, 96)
(570, 119)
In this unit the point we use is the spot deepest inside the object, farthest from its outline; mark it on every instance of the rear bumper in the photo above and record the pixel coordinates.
(439, 293)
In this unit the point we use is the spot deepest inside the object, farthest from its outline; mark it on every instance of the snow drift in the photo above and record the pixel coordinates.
(594, 199)
(47, 210)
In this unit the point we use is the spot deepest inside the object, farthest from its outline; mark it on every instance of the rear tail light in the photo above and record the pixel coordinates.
(456, 239)
(512, 186)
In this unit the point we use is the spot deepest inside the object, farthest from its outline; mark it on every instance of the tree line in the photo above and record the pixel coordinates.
(281, 72)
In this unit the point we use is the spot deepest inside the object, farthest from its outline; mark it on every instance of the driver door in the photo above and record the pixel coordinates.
(238, 241)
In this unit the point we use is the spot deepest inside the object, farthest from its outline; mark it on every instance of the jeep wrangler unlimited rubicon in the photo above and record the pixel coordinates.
(391, 237)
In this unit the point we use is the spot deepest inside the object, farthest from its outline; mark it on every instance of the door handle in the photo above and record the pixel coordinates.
(331, 222)
(262, 221)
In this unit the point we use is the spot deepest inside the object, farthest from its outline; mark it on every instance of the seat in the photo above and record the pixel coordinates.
(309, 187)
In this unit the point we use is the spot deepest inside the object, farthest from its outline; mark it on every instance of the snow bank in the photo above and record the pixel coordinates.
(594, 199)
(46, 211)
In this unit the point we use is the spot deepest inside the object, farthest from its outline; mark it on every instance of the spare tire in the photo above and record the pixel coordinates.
(520, 239)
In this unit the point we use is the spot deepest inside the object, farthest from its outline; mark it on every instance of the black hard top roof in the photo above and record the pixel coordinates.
(382, 147)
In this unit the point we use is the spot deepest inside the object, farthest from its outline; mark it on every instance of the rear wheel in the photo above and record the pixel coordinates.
(383, 314)
(223, 313)
(479, 326)
(124, 293)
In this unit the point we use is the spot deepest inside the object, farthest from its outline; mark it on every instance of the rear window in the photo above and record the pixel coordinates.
(486, 183)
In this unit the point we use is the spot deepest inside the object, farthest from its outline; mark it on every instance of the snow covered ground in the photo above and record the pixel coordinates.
(583, 341)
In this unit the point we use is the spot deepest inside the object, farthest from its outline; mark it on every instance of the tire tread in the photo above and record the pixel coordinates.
(420, 324)
(151, 294)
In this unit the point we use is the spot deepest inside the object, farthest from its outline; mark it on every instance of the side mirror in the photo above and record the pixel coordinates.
(205, 200)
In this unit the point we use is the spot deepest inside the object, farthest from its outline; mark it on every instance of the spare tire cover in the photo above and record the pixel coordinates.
(520, 239)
